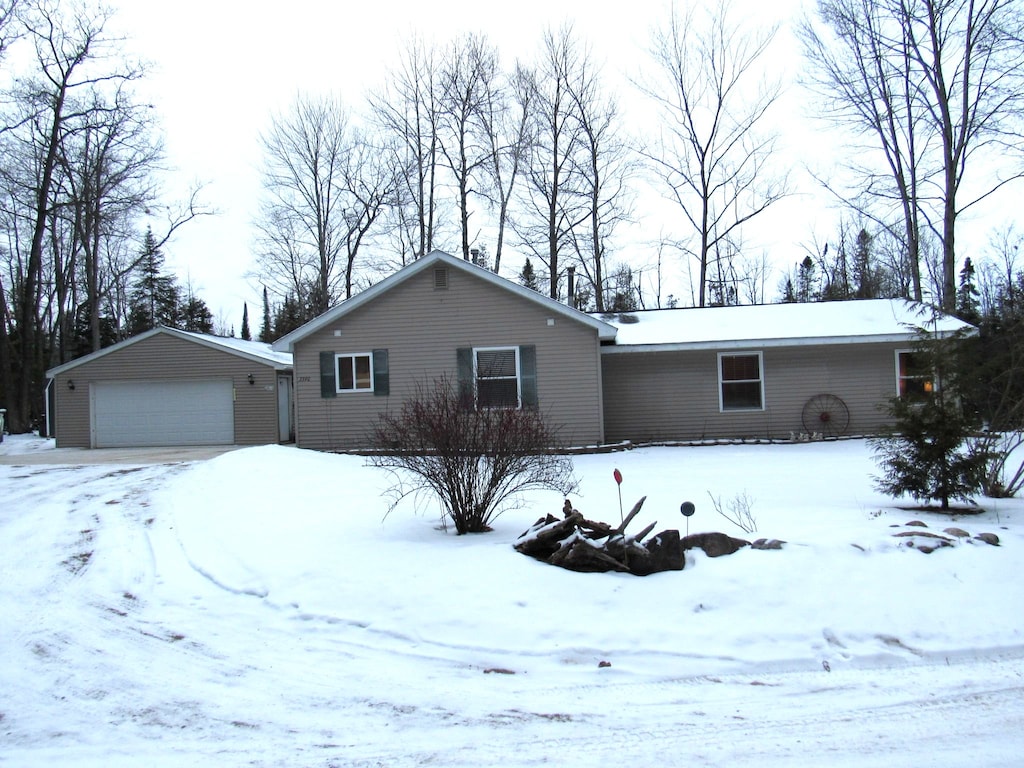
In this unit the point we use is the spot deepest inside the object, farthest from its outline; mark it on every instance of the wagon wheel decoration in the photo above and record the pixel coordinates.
(826, 415)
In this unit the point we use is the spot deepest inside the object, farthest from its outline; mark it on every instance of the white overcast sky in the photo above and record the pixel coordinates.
(220, 68)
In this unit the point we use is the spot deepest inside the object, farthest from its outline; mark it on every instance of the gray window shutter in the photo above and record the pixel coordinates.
(528, 376)
(464, 372)
(328, 376)
(381, 375)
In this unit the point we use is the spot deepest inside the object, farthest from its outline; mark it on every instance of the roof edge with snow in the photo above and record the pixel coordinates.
(864, 321)
(286, 343)
(258, 352)
(805, 341)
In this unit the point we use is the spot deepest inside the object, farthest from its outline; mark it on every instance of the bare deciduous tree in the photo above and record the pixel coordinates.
(933, 83)
(604, 165)
(370, 191)
(108, 159)
(553, 204)
(74, 58)
(304, 155)
(8, 24)
(714, 151)
(506, 122)
(468, 77)
(866, 79)
(408, 110)
(328, 184)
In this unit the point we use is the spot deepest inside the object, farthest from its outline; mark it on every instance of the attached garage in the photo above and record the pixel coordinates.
(168, 387)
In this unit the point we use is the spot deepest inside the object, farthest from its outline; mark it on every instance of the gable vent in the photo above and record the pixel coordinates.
(441, 278)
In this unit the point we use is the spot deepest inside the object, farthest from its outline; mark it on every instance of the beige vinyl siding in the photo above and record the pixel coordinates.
(422, 327)
(163, 357)
(674, 395)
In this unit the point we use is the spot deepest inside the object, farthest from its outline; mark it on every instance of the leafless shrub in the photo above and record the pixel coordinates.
(737, 511)
(1004, 468)
(476, 461)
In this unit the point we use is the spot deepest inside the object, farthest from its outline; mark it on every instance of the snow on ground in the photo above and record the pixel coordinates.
(263, 609)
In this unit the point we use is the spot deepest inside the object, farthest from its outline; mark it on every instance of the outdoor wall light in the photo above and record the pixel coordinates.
(71, 384)
(252, 379)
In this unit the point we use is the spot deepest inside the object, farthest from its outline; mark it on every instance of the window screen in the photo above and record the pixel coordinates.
(497, 378)
(740, 381)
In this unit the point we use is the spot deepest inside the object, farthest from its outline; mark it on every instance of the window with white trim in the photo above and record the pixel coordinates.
(496, 370)
(354, 372)
(914, 378)
(740, 381)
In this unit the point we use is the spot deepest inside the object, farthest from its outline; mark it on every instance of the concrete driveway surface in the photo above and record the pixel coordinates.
(169, 455)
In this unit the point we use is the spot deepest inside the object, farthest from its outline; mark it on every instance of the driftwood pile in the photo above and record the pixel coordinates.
(579, 544)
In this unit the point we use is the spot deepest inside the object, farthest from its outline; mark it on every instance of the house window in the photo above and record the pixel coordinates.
(741, 385)
(497, 377)
(913, 376)
(354, 373)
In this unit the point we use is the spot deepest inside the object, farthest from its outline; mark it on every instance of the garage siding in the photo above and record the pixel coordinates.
(169, 358)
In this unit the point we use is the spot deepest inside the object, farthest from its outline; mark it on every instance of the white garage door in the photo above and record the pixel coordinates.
(131, 414)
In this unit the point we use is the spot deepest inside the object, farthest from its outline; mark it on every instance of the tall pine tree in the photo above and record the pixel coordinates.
(865, 275)
(288, 316)
(528, 277)
(246, 334)
(266, 332)
(968, 303)
(806, 281)
(196, 316)
(155, 297)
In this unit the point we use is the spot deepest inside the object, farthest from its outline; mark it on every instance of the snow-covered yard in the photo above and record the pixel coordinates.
(261, 609)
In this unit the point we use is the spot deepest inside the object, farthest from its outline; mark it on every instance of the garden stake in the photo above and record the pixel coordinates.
(625, 552)
(618, 481)
(687, 508)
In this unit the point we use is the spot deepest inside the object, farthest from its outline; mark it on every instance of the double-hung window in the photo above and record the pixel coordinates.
(913, 377)
(497, 377)
(740, 381)
(345, 372)
(354, 373)
(496, 371)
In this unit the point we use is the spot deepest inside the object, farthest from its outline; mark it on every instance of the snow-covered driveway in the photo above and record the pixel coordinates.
(257, 609)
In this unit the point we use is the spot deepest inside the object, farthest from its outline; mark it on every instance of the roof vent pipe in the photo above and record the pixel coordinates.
(571, 298)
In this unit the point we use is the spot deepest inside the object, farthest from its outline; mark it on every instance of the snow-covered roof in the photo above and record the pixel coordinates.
(604, 330)
(253, 350)
(767, 325)
(256, 349)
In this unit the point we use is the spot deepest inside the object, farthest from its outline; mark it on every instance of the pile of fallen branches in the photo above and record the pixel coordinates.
(579, 544)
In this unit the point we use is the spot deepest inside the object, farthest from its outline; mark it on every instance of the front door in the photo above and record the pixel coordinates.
(286, 426)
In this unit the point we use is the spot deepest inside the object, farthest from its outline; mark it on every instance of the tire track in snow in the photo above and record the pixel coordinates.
(770, 731)
(95, 574)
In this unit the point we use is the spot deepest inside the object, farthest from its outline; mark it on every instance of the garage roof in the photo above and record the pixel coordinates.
(256, 351)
